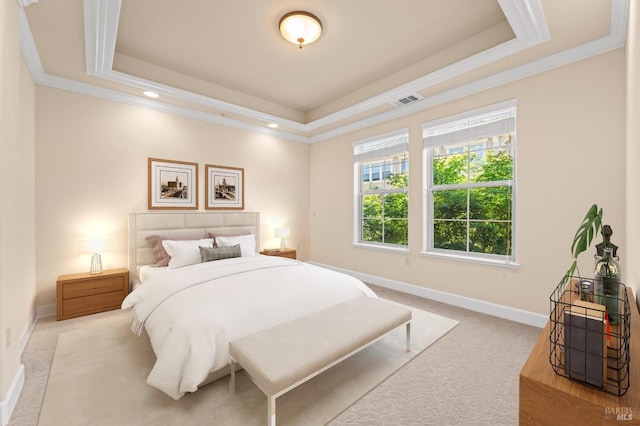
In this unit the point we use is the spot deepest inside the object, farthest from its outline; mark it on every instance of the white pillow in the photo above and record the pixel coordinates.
(185, 252)
(247, 243)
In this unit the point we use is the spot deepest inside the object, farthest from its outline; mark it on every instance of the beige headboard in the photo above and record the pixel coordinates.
(142, 225)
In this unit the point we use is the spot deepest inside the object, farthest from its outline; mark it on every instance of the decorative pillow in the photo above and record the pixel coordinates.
(229, 233)
(160, 253)
(247, 243)
(185, 252)
(208, 254)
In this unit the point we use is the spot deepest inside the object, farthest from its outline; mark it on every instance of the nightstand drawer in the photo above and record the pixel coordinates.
(291, 254)
(83, 294)
(93, 287)
(92, 304)
(286, 252)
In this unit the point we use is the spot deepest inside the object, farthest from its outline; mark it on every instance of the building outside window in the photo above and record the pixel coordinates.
(469, 166)
(381, 184)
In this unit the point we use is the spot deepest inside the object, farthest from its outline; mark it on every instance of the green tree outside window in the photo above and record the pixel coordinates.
(472, 209)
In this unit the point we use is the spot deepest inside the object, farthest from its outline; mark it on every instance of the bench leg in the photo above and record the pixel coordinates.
(232, 380)
(408, 336)
(271, 410)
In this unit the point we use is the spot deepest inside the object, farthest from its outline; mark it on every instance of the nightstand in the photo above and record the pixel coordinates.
(290, 253)
(84, 294)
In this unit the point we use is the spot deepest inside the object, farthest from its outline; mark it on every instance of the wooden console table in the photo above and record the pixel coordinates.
(547, 398)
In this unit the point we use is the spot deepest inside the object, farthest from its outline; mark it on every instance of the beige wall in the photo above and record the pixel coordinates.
(73, 166)
(570, 154)
(17, 203)
(632, 272)
(92, 172)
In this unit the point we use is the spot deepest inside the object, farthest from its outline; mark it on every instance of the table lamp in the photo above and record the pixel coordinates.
(95, 246)
(282, 233)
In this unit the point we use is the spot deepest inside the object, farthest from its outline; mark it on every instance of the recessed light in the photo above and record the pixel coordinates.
(273, 125)
(150, 94)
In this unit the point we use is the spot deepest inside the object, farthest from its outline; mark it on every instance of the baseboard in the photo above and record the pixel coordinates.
(9, 403)
(501, 311)
(11, 398)
(28, 329)
(46, 311)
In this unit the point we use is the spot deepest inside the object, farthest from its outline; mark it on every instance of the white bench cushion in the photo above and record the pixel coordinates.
(283, 355)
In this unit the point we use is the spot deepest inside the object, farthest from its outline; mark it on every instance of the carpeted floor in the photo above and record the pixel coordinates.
(98, 370)
(468, 377)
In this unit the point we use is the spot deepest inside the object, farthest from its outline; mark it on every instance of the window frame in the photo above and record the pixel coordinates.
(428, 189)
(380, 167)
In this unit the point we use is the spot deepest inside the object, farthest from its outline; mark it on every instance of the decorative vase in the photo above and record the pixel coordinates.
(607, 282)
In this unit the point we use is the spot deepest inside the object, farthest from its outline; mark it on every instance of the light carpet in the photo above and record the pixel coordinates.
(98, 376)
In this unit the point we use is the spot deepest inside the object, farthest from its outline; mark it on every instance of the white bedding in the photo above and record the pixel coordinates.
(149, 271)
(191, 318)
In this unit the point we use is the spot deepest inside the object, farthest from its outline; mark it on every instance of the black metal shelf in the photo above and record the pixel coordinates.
(583, 345)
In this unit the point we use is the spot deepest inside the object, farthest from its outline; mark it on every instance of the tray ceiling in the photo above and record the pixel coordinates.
(225, 61)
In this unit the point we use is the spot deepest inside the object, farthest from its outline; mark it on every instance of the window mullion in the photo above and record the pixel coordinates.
(487, 141)
(382, 157)
(473, 185)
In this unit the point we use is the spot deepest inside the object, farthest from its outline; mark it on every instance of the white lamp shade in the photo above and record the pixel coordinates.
(283, 232)
(95, 245)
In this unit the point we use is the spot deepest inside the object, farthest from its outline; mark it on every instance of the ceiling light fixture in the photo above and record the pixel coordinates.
(150, 94)
(301, 28)
(273, 125)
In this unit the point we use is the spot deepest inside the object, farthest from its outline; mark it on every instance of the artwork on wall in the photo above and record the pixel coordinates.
(224, 187)
(172, 185)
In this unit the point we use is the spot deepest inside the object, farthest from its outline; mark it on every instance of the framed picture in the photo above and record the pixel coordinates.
(172, 184)
(224, 187)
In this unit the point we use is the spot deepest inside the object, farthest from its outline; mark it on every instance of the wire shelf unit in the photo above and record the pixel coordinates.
(584, 344)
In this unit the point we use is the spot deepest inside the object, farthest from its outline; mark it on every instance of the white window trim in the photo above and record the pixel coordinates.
(357, 242)
(476, 258)
(394, 248)
(427, 198)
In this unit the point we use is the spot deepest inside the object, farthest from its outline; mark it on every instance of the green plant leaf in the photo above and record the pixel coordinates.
(588, 229)
(570, 272)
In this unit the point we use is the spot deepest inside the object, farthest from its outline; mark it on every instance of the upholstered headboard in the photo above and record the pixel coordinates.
(142, 225)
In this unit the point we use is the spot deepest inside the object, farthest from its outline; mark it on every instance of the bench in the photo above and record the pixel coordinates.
(283, 357)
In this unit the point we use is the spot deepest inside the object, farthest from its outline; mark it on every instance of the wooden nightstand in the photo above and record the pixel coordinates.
(84, 294)
(290, 253)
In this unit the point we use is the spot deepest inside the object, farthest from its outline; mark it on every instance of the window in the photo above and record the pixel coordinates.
(470, 184)
(381, 170)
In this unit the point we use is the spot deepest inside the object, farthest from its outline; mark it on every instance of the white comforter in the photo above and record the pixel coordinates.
(192, 313)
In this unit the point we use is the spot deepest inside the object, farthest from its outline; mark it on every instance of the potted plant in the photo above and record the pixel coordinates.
(587, 230)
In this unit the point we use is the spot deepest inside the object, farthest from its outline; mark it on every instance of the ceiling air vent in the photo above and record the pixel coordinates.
(407, 100)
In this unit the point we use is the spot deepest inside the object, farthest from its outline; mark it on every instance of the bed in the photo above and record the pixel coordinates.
(191, 311)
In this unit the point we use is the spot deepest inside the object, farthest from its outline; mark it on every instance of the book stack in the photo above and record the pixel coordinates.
(585, 351)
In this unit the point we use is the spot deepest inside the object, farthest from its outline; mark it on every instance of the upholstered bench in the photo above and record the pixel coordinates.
(285, 356)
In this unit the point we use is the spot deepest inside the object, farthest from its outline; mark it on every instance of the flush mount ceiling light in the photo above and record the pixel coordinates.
(300, 27)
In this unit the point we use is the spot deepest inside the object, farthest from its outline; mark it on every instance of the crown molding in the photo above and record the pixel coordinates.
(28, 47)
(198, 99)
(614, 40)
(525, 17)
(529, 26)
(101, 19)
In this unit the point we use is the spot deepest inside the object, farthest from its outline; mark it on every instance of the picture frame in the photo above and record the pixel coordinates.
(172, 185)
(224, 187)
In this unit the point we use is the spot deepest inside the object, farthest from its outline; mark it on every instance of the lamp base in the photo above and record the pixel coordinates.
(96, 264)
(282, 244)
